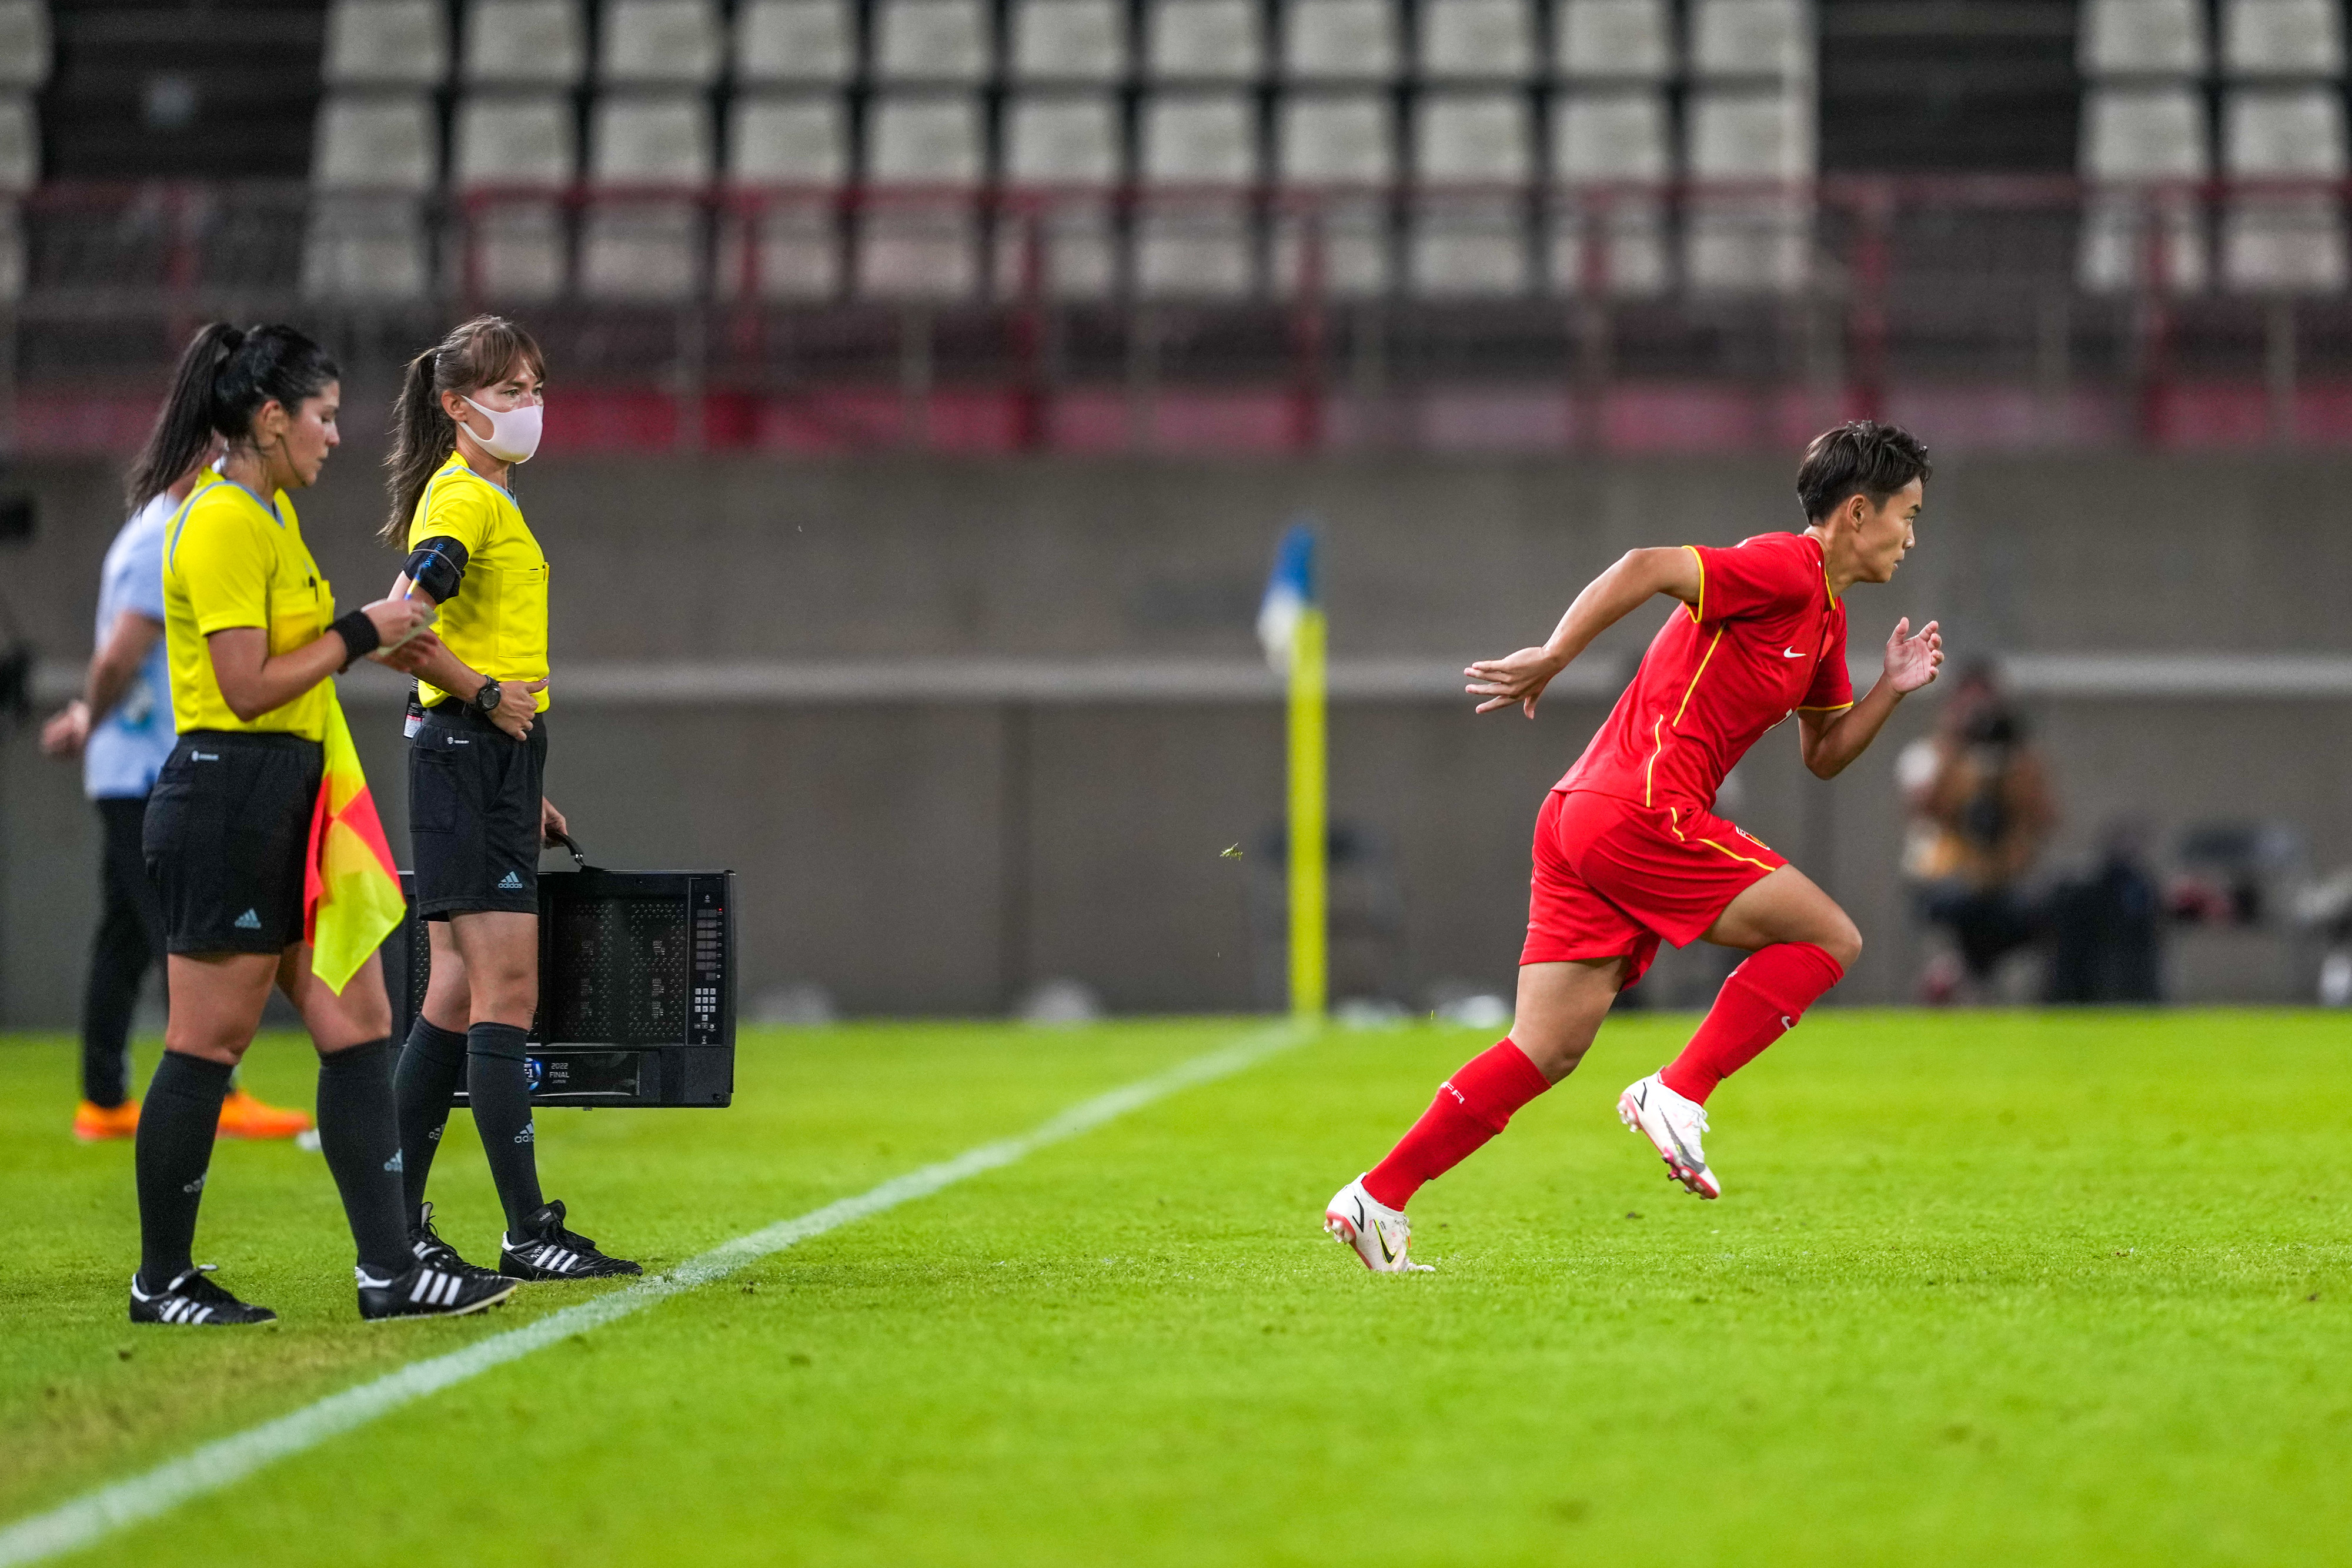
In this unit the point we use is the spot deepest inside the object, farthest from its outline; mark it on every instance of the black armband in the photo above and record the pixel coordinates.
(438, 567)
(359, 634)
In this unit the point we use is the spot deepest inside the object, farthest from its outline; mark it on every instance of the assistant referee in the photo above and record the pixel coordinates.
(468, 412)
(253, 643)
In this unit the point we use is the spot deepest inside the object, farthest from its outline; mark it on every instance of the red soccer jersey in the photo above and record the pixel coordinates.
(1766, 639)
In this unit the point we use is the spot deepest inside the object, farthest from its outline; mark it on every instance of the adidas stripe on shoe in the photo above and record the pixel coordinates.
(425, 1291)
(193, 1301)
(546, 1251)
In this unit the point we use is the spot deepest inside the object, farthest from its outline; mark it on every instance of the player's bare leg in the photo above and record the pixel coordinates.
(1800, 944)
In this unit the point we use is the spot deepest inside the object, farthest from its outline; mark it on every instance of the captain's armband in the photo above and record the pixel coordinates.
(438, 567)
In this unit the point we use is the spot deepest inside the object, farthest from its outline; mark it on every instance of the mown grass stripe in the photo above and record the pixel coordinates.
(88, 1519)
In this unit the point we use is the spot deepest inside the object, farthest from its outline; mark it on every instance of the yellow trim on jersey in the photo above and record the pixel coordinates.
(232, 563)
(1649, 770)
(1831, 707)
(1698, 611)
(496, 623)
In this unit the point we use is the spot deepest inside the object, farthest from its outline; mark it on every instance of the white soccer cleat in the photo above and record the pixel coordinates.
(1673, 1125)
(1381, 1235)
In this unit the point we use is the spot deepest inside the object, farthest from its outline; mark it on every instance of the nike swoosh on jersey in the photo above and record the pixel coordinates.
(1790, 653)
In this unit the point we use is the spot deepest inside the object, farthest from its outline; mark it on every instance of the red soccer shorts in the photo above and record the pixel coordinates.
(1612, 878)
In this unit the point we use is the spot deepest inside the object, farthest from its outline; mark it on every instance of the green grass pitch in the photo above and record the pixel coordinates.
(1985, 1288)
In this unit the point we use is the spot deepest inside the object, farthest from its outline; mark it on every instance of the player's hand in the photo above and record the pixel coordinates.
(410, 657)
(1520, 678)
(65, 734)
(396, 617)
(1911, 661)
(552, 825)
(515, 707)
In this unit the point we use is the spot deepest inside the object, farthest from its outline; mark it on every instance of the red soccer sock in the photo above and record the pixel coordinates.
(1762, 1001)
(1471, 1107)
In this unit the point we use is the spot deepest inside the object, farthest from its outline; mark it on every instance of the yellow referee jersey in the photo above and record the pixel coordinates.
(230, 561)
(496, 623)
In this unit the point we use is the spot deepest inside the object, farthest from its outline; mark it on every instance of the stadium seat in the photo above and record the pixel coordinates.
(792, 154)
(923, 161)
(2302, 38)
(638, 241)
(1613, 40)
(798, 42)
(1335, 158)
(1737, 241)
(20, 171)
(2285, 241)
(1061, 153)
(1467, 231)
(2138, 137)
(1339, 41)
(373, 158)
(931, 41)
(507, 146)
(384, 43)
(659, 42)
(24, 43)
(1204, 41)
(1195, 240)
(1752, 38)
(2142, 37)
(1069, 41)
(1617, 141)
(1476, 40)
(525, 43)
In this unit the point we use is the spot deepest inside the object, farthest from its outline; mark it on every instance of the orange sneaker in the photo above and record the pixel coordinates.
(97, 1123)
(243, 1116)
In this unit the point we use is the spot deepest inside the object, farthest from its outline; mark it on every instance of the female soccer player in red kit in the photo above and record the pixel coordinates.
(1628, 850)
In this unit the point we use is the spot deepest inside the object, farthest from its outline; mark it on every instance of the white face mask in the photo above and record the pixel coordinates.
(514, 434)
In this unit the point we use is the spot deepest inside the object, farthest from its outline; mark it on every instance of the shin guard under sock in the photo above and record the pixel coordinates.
(498, 1083)
(176, 1124)
(1762, 1001)
(1471, 1107)
(432, 1068)
(359, 1135)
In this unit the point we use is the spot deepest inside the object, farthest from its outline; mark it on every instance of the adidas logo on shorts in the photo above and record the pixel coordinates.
(249, 920)
(512, 879)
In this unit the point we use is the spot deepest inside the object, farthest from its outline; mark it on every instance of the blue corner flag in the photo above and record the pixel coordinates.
(1289, 593)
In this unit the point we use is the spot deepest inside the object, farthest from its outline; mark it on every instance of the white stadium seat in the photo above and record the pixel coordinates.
(1472, 239)
(1071, 41)
(1204, 41)
(1752, 38)
(1065, 147)
(1740, 242)
(795, 41)
(376, 142)
(1196, 242)
(924, 244)
(2142, 37)
(636, 244)
(506, 143)
(939, 41)
(796, 151)
(1613, 40)
(1477, 40)
(382, 42)
(25, 44)
(374, 157)
(1335, 157)
(1339, 41)
(2285, 241)
(2137, 136)
(525, 43)
(660, 42)
(2300, 38)
(20, 143)
(1605, 147)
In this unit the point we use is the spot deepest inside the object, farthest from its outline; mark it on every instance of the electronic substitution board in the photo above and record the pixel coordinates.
(636, 987)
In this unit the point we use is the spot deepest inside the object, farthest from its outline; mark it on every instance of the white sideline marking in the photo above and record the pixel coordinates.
(82, 1522)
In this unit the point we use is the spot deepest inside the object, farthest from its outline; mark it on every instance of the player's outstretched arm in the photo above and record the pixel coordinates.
(1608, 599)
(1832, 740)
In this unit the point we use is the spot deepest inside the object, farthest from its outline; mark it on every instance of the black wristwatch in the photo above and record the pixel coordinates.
(486, 701)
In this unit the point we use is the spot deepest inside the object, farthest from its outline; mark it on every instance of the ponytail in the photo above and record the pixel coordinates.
(225, 377)
(474, 355)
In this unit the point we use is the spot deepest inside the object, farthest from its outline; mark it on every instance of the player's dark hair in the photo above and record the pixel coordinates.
(1860, 457)
(226, 376)
(474, 355)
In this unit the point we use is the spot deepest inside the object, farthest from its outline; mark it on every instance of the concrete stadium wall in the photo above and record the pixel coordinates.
(915, 852)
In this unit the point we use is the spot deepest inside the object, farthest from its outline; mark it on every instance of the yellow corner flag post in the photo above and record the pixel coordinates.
(1309, 964)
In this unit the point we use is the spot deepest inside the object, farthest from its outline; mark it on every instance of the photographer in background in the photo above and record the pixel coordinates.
(1981, 814)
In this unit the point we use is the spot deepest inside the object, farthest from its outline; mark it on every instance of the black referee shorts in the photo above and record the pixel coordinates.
(228, 827)
(473, 813)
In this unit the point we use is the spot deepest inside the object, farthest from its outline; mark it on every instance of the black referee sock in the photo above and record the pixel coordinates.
(176, 1124)
(361, 1138)
(498, 1084)
(432, 1068)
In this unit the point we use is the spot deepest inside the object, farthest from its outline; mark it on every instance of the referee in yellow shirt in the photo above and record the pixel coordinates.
(478, 812)
(252, 643)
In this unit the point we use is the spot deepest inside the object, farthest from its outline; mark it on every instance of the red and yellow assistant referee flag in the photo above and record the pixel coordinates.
(350, 890)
